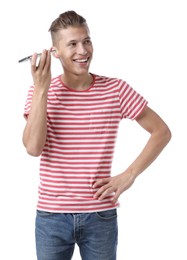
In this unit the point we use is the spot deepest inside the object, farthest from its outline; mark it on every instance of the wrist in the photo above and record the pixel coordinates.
(131, 174)
(40, 91)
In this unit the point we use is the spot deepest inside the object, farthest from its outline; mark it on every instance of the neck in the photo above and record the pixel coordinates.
(77, 82)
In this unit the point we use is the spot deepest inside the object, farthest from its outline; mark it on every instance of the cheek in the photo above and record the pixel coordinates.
(65, 56)
(66, 61)
(91, 49)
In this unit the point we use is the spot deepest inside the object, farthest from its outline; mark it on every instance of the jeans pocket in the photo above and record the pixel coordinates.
(107, 215)
(41, 213)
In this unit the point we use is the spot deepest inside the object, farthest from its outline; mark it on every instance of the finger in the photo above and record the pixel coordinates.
(115, 199)
(48, 60)
(33, 61)
(42, 61)
(102, 191)
(109, 191)
(101, 182)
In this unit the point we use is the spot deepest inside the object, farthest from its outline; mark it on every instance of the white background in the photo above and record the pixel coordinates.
(144, 42)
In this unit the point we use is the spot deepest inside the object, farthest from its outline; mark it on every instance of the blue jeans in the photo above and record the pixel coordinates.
(95, 233)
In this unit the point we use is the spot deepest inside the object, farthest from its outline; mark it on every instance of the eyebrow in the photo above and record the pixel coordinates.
(86, 38)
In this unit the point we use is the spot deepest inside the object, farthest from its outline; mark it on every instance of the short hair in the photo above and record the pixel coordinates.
(66, 19)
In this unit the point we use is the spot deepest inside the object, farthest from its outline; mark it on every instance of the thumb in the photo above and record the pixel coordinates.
(116, 196)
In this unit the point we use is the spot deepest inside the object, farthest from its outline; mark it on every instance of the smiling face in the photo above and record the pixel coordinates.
(74, 48)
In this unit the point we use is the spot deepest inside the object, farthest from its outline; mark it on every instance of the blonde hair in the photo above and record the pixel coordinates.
(64, 20)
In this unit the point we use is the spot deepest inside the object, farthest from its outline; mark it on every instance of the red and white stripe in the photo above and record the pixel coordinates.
(82, 130)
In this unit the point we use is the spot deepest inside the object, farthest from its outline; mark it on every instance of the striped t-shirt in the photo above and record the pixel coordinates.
(82, 128)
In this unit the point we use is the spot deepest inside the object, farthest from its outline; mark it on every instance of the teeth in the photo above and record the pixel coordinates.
(85, 60)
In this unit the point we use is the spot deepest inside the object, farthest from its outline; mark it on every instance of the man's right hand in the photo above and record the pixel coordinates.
(41, 72)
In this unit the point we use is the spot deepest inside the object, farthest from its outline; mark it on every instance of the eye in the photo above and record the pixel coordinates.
(88, 42)
(72, 44)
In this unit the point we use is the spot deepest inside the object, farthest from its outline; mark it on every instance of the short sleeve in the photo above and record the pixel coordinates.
(131, 102)
(28, 102)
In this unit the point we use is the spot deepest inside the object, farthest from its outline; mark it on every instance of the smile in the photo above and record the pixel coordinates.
(81, 60)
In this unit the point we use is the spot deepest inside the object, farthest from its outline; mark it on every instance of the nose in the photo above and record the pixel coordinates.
(81, 49)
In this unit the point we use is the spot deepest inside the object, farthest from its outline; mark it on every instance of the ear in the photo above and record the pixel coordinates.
(55, 52)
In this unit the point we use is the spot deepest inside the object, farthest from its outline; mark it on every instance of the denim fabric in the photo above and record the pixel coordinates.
(95, 233)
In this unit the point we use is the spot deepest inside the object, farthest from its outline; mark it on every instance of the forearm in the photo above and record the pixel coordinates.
(34, 135)
(156, 143)
(160, 136)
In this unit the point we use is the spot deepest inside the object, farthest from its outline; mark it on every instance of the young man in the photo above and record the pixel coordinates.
(72, 123)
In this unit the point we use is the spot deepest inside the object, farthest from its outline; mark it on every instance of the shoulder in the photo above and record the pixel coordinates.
(106, 79)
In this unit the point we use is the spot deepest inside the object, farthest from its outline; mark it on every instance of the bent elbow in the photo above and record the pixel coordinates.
(33, 150)
(33, 147)
(34, 153)
(166, 135)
